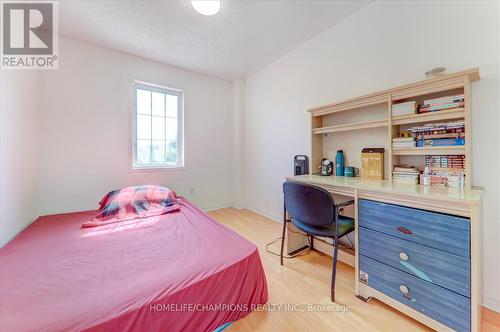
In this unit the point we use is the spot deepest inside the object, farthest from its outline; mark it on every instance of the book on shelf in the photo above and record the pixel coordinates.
(452, 132)
(410, 144)
(406, 169)
(440, 182)
(437, 136)
(451, 175)
(406, 108)
(403, 139)
(443, 181)
(445, 158)
(444, 165)
(400, 180)
(406, 174)
(441, 142)
(459, 97)
(403, 142)
(445, 131)
(442, 103)
(444, 170)
(436, 108)
(433, 127)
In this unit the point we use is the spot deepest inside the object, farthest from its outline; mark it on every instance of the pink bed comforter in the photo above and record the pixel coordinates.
(148, 276)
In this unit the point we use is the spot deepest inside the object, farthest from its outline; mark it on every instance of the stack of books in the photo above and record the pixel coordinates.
(405, 174)
(406, 108)
(442, 103)
(404, 142)
(440, 134)
(444, 170)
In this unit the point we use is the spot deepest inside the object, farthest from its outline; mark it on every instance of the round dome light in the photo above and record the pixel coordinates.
(206, 7)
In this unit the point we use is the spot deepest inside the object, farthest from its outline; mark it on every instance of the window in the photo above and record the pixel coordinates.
(157, 127)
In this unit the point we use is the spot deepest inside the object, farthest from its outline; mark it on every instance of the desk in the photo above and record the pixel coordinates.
(452, 211)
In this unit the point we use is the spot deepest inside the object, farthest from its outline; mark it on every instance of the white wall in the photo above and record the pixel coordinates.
(238, 120)
(84, 130)
(380, 46)
(18, 115)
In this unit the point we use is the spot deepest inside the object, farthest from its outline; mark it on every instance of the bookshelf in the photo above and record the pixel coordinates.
(362, 115)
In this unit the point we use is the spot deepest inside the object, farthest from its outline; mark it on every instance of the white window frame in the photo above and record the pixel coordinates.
(180, 126)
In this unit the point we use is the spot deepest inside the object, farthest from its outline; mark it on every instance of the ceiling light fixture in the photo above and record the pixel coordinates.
(206, 7)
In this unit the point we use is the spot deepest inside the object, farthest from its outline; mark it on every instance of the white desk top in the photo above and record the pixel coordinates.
(471, 196)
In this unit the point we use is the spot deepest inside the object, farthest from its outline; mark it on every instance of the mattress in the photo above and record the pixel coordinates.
(178, 271)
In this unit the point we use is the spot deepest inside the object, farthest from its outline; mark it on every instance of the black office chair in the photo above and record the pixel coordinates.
(314, 212)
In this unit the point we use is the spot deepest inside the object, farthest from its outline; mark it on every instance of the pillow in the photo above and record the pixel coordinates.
(134, 202)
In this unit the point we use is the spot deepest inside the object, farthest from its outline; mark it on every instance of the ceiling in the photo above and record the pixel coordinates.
(242, 38)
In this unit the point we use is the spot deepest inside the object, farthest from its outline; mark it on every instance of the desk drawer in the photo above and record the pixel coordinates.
(438, 303)
(437, 267)
(432, 229)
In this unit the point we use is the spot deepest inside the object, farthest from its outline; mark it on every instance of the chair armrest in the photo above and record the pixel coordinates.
(344, 204)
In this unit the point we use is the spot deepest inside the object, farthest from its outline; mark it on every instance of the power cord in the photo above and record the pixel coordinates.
(301, 253)
(306, 250)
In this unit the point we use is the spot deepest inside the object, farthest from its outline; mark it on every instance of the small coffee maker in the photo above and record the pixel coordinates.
(326, 167)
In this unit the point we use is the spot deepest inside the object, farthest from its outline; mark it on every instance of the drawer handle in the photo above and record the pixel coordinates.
(404, 230)
(406, 292)
(403, 256)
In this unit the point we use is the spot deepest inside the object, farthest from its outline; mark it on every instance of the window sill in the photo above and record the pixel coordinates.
(150, 168)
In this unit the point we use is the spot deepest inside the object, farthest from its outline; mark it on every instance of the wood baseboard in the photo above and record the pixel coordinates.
(491, 316)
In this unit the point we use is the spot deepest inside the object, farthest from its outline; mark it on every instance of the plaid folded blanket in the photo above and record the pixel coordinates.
(133, 203)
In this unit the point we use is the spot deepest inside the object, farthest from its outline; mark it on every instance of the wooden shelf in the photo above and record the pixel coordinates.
(430, 150)
(350, 104)
(433, 85)
(450, 114)
(351, 126)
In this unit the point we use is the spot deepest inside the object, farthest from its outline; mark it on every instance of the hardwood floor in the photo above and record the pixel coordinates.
(306, 280)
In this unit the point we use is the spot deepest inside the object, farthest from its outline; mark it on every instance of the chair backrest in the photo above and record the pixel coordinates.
(309, 204)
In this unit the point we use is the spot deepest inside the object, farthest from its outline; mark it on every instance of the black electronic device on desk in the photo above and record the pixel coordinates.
(301, 164)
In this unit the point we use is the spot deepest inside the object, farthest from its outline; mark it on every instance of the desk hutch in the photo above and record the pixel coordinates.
(417, 248)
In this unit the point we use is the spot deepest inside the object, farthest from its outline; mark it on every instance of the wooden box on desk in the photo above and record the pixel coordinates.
(372, 163)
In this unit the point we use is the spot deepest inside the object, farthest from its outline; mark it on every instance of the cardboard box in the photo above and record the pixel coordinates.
(372, 163)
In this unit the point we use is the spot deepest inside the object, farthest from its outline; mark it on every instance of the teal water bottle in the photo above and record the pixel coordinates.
(339, 163)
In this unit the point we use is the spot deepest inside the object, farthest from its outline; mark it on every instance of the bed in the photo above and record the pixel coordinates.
(180, 271)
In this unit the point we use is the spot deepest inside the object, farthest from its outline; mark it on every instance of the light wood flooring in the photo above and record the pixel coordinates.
(306, 280)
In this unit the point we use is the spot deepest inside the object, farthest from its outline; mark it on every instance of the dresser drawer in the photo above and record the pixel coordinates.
(435, 266)
(441, 304)
(435, 230)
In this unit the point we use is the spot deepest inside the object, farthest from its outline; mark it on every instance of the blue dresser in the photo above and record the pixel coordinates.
(419, 258)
